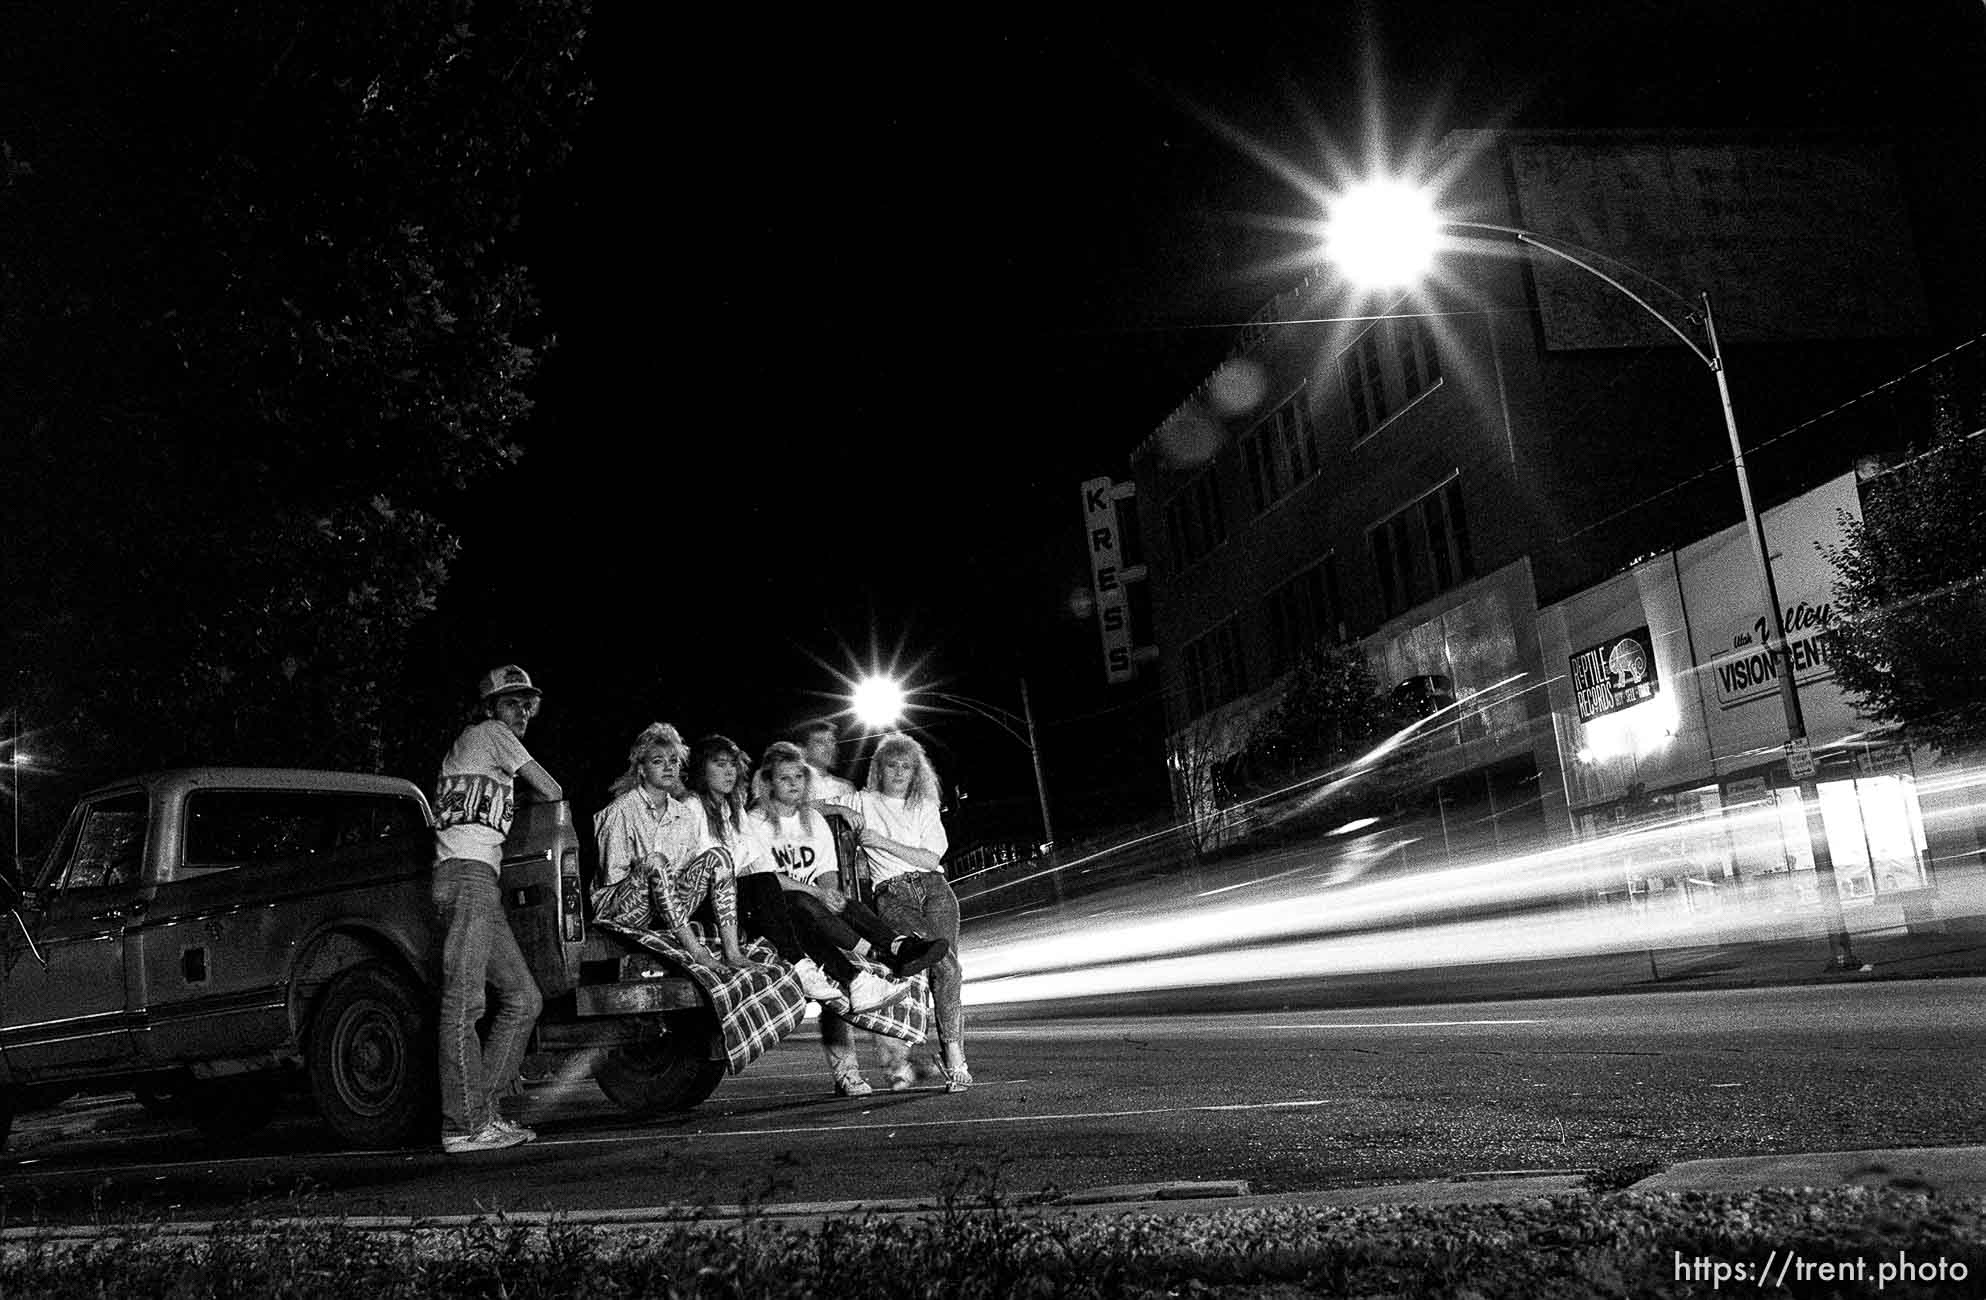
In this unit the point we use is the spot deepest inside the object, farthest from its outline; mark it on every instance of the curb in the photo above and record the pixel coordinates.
(1941, 1172)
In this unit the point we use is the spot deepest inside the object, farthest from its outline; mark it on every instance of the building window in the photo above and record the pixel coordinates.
(1392, 562)
(1193, 521)
(1390, 366)
(1303, 613)
(1423, 549)
(1214, 671)
(1365, 384)
(1280, 453)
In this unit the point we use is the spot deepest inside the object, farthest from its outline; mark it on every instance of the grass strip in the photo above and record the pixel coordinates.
(1616, 1244)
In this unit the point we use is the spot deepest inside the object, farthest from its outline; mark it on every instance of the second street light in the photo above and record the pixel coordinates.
(1387, 234)
(883, 701)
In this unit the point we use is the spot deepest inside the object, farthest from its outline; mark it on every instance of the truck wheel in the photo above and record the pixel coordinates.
(656, 1078)
(370, 1057)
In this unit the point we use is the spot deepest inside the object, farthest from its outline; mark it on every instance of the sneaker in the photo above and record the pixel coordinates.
(817, 986)
(850, 1083)
(902, 1076)
(867, 992)
(912, 955)
(512, 1126)
(487, 1138)
(957, 1078)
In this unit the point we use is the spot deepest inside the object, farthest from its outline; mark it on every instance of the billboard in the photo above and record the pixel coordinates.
(1617, 673)
(1728, 615)
(1794, 239)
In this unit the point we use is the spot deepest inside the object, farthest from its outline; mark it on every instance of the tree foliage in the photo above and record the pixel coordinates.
(263, 312)
(1330, 710)
(1301, 754)
(1909, 640)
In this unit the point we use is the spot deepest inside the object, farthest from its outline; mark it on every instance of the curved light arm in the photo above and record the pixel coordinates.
(1007, 722)
(1536, 241)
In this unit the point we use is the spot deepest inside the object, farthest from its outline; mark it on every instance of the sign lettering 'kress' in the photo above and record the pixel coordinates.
(1614, 675)
(1107, 576)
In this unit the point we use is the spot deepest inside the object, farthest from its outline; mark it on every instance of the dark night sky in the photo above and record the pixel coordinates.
(848, 307)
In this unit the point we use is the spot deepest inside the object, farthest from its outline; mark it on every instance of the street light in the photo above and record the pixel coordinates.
(1387, 233)
(881, 701)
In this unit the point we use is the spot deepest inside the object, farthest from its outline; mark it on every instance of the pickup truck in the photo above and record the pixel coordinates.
(214, 938)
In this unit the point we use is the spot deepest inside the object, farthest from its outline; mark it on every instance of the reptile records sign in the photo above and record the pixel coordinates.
(1615, 674)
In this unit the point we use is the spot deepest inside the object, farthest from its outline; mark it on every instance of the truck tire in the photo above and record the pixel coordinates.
(370, 1057)
(658, 1078)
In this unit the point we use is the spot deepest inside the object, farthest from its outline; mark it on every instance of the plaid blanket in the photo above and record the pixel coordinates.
(909, 1018)
(755, 1008)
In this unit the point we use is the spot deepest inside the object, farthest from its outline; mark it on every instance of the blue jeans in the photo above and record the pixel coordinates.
(922, 903)
(477, 948)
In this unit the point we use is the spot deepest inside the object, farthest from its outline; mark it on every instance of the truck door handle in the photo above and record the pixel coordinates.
(135, 908)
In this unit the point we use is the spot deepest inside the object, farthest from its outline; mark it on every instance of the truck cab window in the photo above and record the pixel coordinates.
(108, 848)
(228, 828)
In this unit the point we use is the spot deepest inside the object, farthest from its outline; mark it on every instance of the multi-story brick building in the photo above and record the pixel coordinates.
(1421, 473)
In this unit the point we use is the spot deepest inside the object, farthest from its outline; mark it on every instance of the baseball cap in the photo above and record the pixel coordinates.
(507, 680)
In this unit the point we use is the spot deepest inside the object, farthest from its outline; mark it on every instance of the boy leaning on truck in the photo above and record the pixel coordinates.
(474, 802)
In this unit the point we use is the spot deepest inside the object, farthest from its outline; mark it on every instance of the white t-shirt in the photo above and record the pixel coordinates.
(476, 796)
(916, 825)
(800, 846)
(749, 853)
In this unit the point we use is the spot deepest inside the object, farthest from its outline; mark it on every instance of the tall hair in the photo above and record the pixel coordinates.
(719, 809)
(923, 781)
(655, 738)
(783, 751)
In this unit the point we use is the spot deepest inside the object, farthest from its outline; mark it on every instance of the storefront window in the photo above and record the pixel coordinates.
(1875, 834)
(1893, 827)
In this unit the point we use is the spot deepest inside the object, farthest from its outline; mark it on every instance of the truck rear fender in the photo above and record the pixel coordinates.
(331, 953)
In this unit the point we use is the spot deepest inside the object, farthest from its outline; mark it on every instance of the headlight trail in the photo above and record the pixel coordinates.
(1343, 904)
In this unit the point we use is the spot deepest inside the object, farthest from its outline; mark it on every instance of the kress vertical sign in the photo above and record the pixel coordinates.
(1104, 540)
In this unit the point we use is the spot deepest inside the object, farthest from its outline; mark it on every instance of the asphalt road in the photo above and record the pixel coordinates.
(1288, 1101)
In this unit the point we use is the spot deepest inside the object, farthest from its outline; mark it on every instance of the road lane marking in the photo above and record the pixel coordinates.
(1401, 1024)
(944, 1123)
(882, 1090)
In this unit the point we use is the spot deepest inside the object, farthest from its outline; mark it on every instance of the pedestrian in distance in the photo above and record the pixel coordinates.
(475, 801)
(900, 827)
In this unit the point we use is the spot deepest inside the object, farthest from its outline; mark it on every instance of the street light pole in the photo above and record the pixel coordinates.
(1775, 623)
(1040, 778)
(1025, 734)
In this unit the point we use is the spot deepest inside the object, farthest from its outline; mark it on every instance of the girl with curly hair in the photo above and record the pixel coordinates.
(906, 841)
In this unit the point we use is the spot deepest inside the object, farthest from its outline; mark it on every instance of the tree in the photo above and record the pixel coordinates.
(1201, 765)
(263, 314)
(1909, 636)
(1303, 753)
